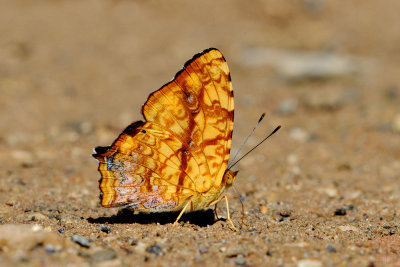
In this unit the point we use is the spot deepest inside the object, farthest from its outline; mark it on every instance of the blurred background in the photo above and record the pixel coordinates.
(74, 74)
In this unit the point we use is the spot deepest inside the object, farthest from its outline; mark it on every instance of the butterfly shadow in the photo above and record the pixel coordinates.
(201, 218)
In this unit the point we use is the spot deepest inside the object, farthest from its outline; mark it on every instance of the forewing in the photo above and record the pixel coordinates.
(146, 168)
(197, 105)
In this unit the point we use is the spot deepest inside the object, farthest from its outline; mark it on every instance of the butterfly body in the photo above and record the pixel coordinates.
(177, 158)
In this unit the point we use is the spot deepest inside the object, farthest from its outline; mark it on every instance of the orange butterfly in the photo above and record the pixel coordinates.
(177, 159)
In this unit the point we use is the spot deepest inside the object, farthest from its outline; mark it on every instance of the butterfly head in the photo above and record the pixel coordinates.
(229, 177)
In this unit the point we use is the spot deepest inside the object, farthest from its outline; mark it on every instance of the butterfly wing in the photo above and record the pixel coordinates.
(142, 169)
(198, 106)
(182, 148)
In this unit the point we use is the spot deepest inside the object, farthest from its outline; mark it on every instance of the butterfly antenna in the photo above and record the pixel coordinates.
(262, 141)
(245, 141)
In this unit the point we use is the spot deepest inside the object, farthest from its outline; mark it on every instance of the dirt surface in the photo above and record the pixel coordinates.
(324, 191)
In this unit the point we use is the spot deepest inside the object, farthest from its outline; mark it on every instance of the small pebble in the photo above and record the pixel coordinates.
(203, 250)
(288, 106)
(299, 134)
(35, 216)
(49, 248)
(295, 65)
(309, 263)
(155, 249)
(80, 241)
(269, 253)
(340, 212)
(105, 229)
(331, 191)
(285, 213)
(240, 260)
(140, 247)
(11, 202)
(60, 230)
(104, 255)
(331, 248)
(24, 237)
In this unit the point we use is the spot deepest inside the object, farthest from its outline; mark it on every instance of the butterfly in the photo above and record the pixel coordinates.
(177, 158)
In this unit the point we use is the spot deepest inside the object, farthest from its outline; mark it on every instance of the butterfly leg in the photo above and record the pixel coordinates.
(215, 211)
(227, 210)
(180, 214)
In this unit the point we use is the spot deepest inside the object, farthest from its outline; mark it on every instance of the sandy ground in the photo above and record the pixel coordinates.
(324, 191)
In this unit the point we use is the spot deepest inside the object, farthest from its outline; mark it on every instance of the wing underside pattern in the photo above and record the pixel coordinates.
(142, 169)
(198, 106)
(182, 148)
